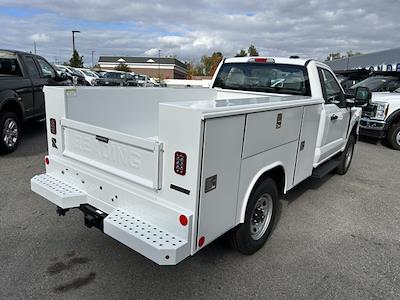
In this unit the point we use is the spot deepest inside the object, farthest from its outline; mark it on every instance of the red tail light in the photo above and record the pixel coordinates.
(183, 219)
(180, 163)
(46, 160)
(201, 241)
(53, 126)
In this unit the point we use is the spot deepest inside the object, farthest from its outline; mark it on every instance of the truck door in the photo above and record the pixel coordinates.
(336, 115)
(47, 75)
(37, 83)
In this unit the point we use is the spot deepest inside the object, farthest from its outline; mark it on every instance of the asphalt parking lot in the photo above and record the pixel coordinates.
(336, 238)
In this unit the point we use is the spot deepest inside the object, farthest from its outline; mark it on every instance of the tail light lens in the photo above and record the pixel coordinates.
(53, 126)
(180, 163)
(46, 160)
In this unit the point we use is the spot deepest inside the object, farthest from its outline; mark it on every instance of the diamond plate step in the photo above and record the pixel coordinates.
(57, 191)
(146, 238)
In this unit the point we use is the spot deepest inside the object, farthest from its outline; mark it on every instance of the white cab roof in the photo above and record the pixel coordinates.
(277, 60)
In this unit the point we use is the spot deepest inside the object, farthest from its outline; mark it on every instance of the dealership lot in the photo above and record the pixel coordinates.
(336, 238)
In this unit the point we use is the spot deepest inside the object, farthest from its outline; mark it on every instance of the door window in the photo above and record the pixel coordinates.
(31, 66)
(332, 92)
(47, 70)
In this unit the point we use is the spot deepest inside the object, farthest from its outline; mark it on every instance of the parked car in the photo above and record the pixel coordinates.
(168, 171)
(381, 118)
(116, 78)
(22, 77)
(77, 77)
(348, 78)
(143, 80)
(379, 82)
(89, 77)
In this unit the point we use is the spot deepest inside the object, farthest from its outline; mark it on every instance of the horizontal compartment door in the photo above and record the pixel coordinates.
(135, 159)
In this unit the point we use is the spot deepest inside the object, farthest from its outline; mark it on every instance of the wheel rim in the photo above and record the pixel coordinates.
(261, 216)
(398, 138)
(10, 132)
(349, 155)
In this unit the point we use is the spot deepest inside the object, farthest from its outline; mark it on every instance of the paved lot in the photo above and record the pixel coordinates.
(336, 238)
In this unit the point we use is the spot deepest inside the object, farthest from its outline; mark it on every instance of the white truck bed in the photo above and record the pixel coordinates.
(114, 149)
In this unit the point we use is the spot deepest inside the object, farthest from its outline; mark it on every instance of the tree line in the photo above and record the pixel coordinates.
(208, 64)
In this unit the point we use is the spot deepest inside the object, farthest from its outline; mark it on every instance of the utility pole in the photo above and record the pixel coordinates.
(159, 68)
(73, 39)
(34, 46)
(92, 58)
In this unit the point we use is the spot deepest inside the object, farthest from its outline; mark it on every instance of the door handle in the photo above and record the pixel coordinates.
(334, 117)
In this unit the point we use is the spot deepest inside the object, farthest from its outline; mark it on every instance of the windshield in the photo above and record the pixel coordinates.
(86, 73)
(397, 91)
(264, 77)
(373, 83)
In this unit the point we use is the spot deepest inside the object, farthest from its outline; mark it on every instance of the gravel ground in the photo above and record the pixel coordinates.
(336, 238)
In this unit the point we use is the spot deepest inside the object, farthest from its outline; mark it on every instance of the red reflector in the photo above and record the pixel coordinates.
(46, 160)
(180, 163)
(53, 126)
(183, 219)
(201, 241)
(262, 60)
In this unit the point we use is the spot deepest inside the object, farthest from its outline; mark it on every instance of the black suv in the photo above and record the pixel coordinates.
(22, 77)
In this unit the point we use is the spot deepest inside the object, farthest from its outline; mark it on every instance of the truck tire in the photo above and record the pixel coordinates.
(260, 214)
(346, 156)
(394, 136)
(10, 130)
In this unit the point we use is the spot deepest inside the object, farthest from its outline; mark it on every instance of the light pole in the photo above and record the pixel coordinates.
(159, 69)
(73, 39)
(92, 58)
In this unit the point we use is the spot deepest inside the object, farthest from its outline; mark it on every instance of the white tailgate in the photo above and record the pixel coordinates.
(132, 158)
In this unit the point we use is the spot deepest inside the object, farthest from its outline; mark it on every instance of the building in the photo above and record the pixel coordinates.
(166, 67)
(387, 60)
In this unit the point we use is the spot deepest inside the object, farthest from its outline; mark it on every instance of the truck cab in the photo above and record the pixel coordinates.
(167, 171)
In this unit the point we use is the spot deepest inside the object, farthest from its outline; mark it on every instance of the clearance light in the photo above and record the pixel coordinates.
(46, 160)
(201, 241)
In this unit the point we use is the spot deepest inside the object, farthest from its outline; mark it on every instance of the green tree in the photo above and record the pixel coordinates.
(252, 50)
(76, 61)
(241, 53)
(122, 67)
(210, 63)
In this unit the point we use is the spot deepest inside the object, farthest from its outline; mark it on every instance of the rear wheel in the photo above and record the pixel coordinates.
(394, 136)
(9, 132)
(346, 156)
(251, 235)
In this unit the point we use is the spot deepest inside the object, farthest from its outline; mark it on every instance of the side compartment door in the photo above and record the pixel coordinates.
(335, 113)
(222, 151)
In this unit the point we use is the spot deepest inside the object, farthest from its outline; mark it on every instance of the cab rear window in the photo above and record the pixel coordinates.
(264, 77)
(9, 66)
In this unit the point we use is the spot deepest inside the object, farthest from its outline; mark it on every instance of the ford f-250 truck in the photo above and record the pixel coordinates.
(167, 171)
(22, 77)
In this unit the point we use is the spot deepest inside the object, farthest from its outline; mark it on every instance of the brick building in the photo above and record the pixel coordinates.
(168, 68)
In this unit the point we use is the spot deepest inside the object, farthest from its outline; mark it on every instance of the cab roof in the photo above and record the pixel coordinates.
(277, 60)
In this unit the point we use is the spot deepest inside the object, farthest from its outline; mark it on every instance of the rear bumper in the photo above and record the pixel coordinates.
(150, 233)
(372, 128)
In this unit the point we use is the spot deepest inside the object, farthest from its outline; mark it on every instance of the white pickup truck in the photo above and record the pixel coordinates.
(167, 171)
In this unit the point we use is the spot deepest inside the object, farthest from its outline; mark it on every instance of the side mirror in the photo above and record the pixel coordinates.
(363, 96)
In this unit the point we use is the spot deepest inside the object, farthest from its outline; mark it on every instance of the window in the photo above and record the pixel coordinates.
(389, 68)
(264, 77)
(31, 66)
(9, 67)
(47, 70)
(330, 88)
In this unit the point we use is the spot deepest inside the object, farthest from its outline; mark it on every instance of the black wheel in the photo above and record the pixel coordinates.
(347, 156)
(9, 132)
(259, 219)
(394, 136)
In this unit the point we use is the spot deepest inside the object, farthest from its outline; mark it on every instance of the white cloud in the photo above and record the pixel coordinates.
(39, 37)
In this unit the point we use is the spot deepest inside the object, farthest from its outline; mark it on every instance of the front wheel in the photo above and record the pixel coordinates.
(9, 132)
(394, 136)
(346, 156)
(251, 235)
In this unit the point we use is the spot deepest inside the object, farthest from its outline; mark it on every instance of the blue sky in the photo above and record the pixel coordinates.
(312, 28)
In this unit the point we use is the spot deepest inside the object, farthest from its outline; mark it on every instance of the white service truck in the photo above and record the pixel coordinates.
(167, 171)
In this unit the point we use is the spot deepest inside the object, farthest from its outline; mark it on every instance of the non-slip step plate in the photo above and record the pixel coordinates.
(148, 239)
(57, 191)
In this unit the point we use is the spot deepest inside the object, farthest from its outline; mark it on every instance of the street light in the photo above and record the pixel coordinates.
(159, 69)
(73, 39)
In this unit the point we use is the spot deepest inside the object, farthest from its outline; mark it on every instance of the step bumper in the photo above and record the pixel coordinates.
(57, 191)
(150, 240)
